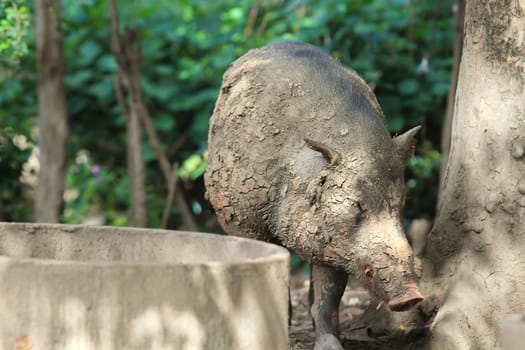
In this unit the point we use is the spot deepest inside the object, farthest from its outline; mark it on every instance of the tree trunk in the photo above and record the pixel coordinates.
(137, 171)
(475, 255)
(459, 19)
(52, 113)
(127, 50)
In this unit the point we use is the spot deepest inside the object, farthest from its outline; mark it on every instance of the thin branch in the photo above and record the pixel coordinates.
(252, 17)
(18, 25)
(155, 143)
(123, 83)
(185, 211)
(117, 84)
(127, 49)
(172, 186)
(175, 146)
(113, 23)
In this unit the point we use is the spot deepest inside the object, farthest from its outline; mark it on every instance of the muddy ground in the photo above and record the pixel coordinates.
(360, 323)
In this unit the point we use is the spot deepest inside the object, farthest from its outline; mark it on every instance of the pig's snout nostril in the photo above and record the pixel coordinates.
(369, 271)
(407, 300)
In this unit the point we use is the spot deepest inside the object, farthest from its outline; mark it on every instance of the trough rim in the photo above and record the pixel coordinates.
(276, 253)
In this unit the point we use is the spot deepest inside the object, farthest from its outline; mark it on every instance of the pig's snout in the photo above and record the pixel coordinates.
(408, 299)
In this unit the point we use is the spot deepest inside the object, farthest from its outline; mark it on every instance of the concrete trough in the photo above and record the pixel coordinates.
(107, 288)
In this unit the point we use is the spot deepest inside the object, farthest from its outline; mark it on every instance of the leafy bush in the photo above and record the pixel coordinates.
(15, 20)
(92, 189)
(402, 48)
(16, 109)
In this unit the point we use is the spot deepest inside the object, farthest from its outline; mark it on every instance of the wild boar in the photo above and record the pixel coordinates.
(300, 155)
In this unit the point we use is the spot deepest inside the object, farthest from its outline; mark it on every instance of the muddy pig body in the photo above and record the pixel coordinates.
(300, 155)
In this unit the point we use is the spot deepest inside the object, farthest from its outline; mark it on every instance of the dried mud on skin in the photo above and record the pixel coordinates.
(353, 333)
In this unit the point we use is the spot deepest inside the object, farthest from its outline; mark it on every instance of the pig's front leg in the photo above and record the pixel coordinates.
(327, 286)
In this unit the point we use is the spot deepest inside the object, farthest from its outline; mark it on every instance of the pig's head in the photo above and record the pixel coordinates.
(352, 217)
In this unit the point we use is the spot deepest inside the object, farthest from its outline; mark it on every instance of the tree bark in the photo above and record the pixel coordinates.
(128, 52)
(459, 19)
(52, 113)
(137, 171)
(474, 262)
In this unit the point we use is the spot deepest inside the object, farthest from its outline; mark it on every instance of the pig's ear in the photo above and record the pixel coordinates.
(329, 154)
(405, 143)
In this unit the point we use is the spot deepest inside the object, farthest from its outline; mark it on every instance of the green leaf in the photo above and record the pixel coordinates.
(195, 100)
(103, 90)
(364, 28)
(440, 89)
(77, 79)
(106, 63)
(149, 153)
(199, 171)
(395, 124)
(164, 91)
(193, 167)
(408, 87)
(235, 14)
(88, 52)
(164, 70)
(163, 122)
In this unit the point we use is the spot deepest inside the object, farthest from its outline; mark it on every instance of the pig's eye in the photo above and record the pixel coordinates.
(369, 271)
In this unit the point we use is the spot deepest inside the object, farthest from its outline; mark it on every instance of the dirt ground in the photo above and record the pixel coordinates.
(356, 333)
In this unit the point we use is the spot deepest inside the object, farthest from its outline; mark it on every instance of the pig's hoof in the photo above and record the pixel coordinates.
(327, 342)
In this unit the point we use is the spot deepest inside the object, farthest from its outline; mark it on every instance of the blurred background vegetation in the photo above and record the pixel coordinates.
(402, 48)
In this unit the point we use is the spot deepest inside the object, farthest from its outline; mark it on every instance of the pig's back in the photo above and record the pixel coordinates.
(271, 99)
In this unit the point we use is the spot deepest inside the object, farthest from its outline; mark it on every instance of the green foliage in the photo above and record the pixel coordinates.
(16, 109)
(424, 163)
(402, 48)
(422, 181)
(92, 191)
(15, 20)
(14, 152)
(193, 167)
